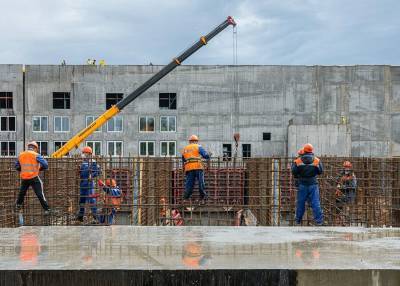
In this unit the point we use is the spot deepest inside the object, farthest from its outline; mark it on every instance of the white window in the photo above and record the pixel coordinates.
(168, 148)
(61, 124)
(96, 147)
(40, 124)
(7, 148)
(114, 124)
(89, 120)
(115, 148)
(168, 123)
(43, 148)
(7, 123)
(146, 148)
(146, 124)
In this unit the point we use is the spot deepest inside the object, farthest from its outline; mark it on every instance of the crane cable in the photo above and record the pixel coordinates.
(235, 88)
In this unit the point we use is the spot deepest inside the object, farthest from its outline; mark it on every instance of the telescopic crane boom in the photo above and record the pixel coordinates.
(115, 109)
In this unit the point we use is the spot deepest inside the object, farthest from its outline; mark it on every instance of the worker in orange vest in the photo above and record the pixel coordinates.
(112, 200)
(29, 163)
(192, 156)
(306, 169)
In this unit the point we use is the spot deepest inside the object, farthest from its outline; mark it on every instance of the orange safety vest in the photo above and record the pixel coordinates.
(192, 157)
(29, 165)
(299, 162)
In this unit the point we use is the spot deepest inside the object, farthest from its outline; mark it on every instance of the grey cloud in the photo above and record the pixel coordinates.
(137, 32)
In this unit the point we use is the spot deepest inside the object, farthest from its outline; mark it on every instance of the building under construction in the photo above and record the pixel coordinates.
(343, 110)
(348, 113)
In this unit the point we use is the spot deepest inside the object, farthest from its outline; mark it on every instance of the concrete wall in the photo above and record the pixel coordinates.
(327, 139)
(216, 101)
(11, 81)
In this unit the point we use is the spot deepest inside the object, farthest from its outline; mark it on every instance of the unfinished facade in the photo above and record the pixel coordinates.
(344, 111)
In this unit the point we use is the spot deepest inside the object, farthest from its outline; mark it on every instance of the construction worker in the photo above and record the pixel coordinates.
(192, 156)
(306, 168)
(88, 170)
(347, 184)
(112, 200)
(29, 163)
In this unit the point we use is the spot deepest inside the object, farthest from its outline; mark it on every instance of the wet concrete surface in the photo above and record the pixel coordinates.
(202, 248)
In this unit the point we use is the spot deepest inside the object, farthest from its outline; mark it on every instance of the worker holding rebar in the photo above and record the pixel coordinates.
(112, 200)
(29, 164)
(347, 184)
(306, 168)
(192, 156)
(88, 171)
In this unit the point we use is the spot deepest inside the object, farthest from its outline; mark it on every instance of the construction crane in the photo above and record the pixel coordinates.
(115, 109)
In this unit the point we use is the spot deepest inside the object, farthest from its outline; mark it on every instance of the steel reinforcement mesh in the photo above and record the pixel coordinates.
(254, 191)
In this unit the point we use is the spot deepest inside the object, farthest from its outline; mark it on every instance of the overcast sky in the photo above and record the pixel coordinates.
(325, 32)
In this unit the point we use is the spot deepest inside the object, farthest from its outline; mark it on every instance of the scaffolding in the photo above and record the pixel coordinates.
(152, 191)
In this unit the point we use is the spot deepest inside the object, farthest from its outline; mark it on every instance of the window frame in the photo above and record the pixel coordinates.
(8, 148)
(6, 98)
(64, 93)
(168, 117)
(94, 118)
(249, 151)
(114, 118)
(267, 134)
(94, 149)
(228, 158)
(114, 93)
(147, 148)
(8, 123)
(115, 141)
(40, 116)
(54, 122)
(169, 101)
(154, 120)
(40, 147)
(168, 155)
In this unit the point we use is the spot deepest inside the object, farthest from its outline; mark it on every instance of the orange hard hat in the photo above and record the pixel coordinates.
(111, 182)
(308, 148)
(87, 149)
(193, 138)
(34, 144)
(347, 164)
(300, 152)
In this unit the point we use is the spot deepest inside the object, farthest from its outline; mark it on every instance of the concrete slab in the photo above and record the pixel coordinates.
(182, 248)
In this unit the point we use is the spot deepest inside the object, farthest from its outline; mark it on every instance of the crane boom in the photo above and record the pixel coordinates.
(115, 109)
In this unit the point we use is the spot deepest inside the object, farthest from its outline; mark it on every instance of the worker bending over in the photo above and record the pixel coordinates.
(88, 170)
(192, 156)
(112, 200)
(29, 163)
(306, 169)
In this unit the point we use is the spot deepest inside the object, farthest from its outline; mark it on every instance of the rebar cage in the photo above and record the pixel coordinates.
(241, 191)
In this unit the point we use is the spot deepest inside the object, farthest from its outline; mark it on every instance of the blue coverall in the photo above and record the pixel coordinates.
(113, 192)
(306, 171)
(191, 176)
(88, 170)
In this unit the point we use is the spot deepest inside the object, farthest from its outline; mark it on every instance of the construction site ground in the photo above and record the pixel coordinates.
(287, 255)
